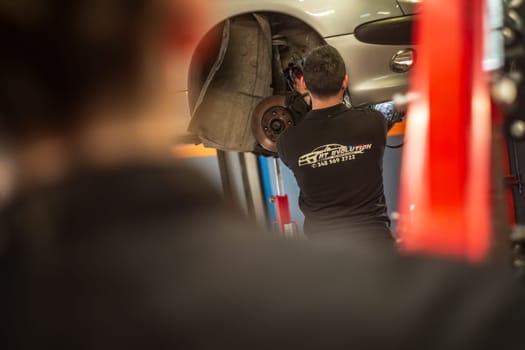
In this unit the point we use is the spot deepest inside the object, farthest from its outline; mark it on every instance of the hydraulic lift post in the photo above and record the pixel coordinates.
(445, 201)
(284, 223)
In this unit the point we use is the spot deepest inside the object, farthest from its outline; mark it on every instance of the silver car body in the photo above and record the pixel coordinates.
(371, 77)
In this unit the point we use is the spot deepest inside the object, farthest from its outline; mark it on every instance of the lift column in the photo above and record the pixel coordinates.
(445, 176)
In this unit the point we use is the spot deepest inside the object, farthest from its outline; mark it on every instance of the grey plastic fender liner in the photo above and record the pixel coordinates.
(239, 79)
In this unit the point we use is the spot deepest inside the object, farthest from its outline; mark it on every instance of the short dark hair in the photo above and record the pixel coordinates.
(60, 54)
(324, 71)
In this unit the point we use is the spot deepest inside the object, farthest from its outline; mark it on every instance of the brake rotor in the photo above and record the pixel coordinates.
(270, 118)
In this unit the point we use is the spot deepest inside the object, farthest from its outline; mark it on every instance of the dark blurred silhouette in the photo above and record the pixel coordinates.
(110, 244)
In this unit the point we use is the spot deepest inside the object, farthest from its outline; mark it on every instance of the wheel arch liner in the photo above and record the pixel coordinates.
(238, 80)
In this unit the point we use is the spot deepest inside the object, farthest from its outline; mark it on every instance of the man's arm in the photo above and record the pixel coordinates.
(281, 150)
(379, 125)
(382, 121)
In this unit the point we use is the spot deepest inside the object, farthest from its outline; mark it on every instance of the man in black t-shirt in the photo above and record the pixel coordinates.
(336, 155)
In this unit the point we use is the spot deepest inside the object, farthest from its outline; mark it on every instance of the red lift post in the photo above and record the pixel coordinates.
(284, 223)
(445, 176)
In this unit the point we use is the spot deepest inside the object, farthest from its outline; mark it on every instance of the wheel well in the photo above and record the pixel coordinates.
(294, 38)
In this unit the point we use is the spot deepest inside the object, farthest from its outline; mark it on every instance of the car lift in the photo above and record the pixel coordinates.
(284, 223)
(446, 181)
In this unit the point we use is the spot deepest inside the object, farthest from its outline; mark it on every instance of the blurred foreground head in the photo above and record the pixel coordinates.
(85, 79)
(61, 58)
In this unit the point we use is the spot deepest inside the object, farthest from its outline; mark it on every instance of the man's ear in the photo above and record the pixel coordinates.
(300, 85)
(345, 82)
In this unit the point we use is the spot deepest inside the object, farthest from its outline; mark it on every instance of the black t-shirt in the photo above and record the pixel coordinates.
(336, 155)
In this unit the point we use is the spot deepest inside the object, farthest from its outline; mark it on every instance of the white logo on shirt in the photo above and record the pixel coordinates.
(332, 154)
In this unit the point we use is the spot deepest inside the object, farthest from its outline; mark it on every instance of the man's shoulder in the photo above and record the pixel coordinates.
(365, 112)
(290, 140)
(369, 117)
(282, 142)
(289, 134)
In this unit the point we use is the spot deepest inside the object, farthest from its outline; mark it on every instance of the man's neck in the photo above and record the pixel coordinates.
(318, 103)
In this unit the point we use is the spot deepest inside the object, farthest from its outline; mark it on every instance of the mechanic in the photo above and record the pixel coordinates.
(336, 155)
